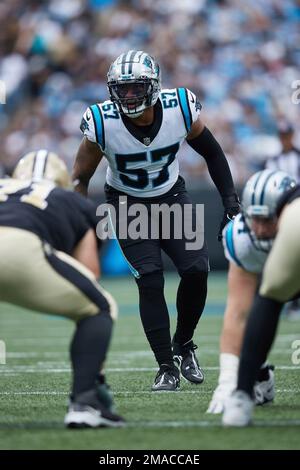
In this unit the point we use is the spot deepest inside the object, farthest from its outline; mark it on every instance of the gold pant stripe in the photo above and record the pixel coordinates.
(27, 279)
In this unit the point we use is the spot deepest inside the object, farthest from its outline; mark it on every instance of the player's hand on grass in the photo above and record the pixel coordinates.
(220, 395)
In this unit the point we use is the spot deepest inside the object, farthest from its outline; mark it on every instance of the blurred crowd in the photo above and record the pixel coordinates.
(239, 57)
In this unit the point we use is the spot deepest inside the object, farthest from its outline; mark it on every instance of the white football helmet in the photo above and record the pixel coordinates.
(43, 165)
(133, 82)
(260, 198)
(263, 191)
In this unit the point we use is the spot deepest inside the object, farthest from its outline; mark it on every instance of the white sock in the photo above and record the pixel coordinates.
(229, 364)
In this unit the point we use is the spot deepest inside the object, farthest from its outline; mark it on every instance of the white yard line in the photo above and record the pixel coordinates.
(210, 424)
(196, 424)
(38, 369)
(132, 392)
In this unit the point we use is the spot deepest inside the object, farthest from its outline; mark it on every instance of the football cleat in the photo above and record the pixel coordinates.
(238, 410)
(219, 398)
(185, 358)
(264, 388)
(167, 379)
(93, 409)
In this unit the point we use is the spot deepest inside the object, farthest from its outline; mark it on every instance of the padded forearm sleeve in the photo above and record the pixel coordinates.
(206, 145)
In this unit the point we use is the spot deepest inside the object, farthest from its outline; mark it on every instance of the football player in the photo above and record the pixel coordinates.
(49, 263)
(247, 241)
(139, 130)
(280, 283)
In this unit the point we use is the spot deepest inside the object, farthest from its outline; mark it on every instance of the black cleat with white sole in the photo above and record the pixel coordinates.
(185, 358)
(264, 387)
(167, 379)
(93, 409)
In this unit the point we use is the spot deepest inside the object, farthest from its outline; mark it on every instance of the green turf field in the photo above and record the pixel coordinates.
(34, 385)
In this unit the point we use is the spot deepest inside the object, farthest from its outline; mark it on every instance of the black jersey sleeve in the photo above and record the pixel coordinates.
(82, 214)
(77, 215)
(62, 218)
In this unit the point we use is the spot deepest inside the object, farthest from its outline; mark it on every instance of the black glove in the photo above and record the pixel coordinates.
(231, 209)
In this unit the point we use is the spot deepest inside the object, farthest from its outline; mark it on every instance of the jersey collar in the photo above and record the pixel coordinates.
(145, 134)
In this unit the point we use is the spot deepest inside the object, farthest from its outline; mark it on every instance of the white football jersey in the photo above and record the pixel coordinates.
(142, 162)
(239, 247)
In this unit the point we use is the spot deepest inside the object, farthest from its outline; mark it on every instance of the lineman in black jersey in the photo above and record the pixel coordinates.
(139, 131)
(49, 263)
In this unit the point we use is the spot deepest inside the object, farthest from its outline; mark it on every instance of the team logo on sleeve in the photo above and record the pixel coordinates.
(84, 125)
(198, 105)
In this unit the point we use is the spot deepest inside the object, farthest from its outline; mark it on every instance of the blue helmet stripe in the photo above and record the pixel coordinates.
(261, 202)
(254, 188)
(122, 61)
(185, 109)
(130, 60)
(99, 126)
(230, 243)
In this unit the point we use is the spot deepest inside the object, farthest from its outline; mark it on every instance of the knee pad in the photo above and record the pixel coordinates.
(201, 267)
(195, 276)
(151, 283)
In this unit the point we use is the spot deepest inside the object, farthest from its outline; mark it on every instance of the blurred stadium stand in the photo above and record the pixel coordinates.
(240, 57)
